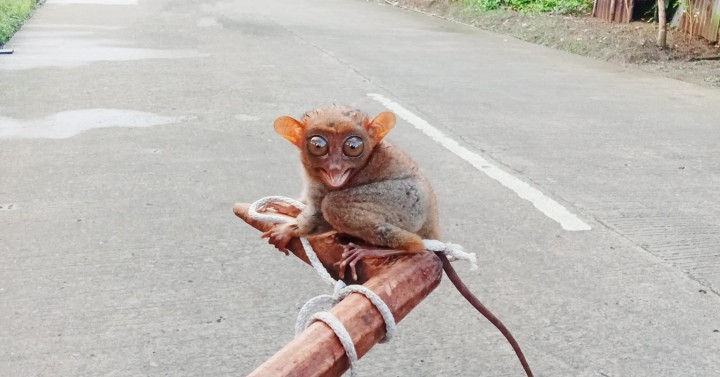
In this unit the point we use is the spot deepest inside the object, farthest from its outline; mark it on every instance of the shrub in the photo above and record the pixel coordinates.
(541, 6)
(12, 15)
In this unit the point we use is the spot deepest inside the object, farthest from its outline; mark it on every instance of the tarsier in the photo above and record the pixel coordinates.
(359, 184)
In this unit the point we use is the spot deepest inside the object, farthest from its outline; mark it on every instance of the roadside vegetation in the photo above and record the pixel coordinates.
(538, 6)
(567, 25)
(12, 15)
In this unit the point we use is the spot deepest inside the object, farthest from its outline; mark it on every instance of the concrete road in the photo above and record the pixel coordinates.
(127, 130)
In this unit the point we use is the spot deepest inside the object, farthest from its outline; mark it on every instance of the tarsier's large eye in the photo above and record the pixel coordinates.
(317, 146)
(353, 146)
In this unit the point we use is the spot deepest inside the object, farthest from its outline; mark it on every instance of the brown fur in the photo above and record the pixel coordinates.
(386, 201)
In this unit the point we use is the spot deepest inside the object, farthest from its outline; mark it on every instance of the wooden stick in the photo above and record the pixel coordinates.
(402, 283)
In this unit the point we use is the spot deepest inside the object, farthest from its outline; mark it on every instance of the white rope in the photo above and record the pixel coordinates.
(453, 251)
(315, 262)
(306, 316)
(314, 304)
(339, 329)
(342, 291)
(381, 306)
(260, 204)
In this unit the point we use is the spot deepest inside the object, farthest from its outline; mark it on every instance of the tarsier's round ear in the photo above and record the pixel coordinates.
(290, 129)
(381, 125)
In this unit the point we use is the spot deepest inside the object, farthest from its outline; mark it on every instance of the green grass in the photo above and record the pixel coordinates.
(12, 15)
(540, 6)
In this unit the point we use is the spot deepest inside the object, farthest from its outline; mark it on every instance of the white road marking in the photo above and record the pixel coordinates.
(547, 206)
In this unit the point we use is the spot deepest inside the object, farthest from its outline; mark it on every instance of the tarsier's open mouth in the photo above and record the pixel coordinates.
(335, 178)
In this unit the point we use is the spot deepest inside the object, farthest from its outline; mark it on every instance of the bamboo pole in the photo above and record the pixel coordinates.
(401, 282)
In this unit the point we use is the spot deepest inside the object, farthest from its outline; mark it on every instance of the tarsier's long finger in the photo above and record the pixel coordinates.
(339, 269)
(266, 234)
(349, 249)
(341, 266)
(352, 261)
(352, 269)
(279, 245)
(350, 258)
(282, 244)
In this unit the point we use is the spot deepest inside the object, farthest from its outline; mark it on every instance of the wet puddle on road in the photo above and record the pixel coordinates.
(93, 2)
(67, 124)
(76, 45)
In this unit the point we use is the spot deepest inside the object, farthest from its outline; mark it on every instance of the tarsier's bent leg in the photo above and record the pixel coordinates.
(386, 216)
(409, 243)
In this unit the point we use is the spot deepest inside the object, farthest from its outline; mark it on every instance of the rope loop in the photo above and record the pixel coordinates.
(254, 211)
(381, 306)
(342, 334)
(311, 307)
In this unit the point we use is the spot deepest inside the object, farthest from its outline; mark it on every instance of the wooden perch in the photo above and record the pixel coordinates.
(402, 283)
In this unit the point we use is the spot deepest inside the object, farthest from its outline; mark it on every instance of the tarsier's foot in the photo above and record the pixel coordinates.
(355, 253)
(280, 235)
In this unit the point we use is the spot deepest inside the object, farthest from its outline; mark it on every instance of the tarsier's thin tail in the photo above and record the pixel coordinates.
(463, 289)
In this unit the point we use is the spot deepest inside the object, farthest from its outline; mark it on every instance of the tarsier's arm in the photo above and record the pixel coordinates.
(309, 221)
